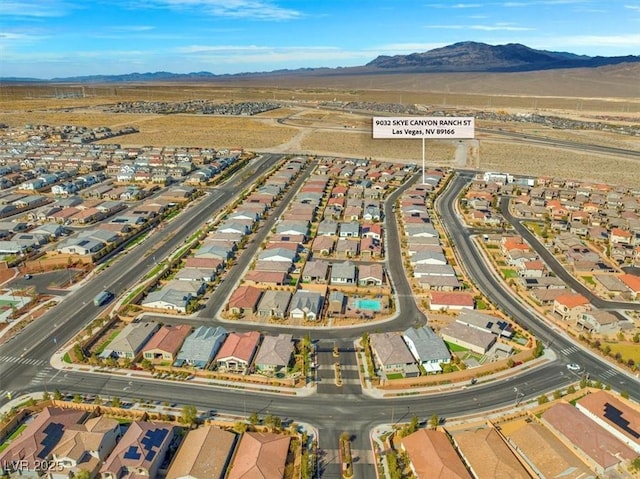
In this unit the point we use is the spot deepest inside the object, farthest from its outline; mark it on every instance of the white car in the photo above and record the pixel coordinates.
(573, 367)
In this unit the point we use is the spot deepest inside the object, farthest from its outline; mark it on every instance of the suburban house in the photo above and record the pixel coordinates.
(485, 322)
(427, 348)
(633, 283)
(130, 341)
(237, 352)
(370, 274)
(38, 439)
(204, 453)
(196, 274)
(260, 455)
(488, 455)
(470, 338)
(614, 415)
(278, 254)
(315, 271)
(347, 247)
(343, 273)
(428, 257)
(598, 321)
(323, 245)
(305, 305)
(602, 450)
(432, 456)
(172, 299)
(139, 452)
(392, 354)
(274, 304)
(84, 447)
(451, 301)
(327, 228)
(570, 306)
(244, 300)
(200, 347)
(165, 343)
(350, 229)
(274, 354)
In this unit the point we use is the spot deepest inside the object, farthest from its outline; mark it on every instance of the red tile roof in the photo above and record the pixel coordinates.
(245, 297)
(239, 345)
(260, 455)
(433, 457)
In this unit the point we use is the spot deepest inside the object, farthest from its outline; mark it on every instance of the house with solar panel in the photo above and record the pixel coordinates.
(37, 441)
(140, 451)
(200, 347)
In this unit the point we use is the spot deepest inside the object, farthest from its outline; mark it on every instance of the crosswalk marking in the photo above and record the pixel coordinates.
(27, 361)
(609, 373)
(572, 349)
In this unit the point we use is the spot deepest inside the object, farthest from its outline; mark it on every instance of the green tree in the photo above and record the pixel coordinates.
(46, 396)
(146, 365)
(189, 415)
(77, 398)
(571, 390)
(115, 402)
(624, 394)
(240, 427)
(254, 419)
(78, 352)
(543, 399)
(539, 349)
(557, 394)
(273, 422)
(57, 395)
(82, 474)
(434, 421)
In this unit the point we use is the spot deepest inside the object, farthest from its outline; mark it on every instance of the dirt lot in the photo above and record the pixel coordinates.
(302, 127)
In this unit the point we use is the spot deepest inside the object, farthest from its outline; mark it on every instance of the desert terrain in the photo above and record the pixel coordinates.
(317, 117)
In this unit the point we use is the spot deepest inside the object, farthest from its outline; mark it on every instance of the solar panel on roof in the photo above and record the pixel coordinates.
(614, 415)
(132, 453)
(152, 440)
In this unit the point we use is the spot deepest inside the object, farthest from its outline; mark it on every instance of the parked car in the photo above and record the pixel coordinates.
(27, 276)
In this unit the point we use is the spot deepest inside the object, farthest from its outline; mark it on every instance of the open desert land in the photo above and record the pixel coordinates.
(305, 125)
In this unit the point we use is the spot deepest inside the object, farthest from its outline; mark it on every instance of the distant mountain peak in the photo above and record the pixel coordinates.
(467, 56)
(481, 57)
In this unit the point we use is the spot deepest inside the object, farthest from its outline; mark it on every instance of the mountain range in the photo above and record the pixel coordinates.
(457, 58)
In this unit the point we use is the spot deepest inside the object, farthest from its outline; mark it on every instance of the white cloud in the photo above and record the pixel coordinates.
(34, 8)
(633, 7)
(248, 9)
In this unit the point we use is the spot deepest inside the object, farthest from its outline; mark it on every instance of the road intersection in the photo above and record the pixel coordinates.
(24, 366)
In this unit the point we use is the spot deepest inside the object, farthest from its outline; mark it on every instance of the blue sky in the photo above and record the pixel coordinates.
(58, 38)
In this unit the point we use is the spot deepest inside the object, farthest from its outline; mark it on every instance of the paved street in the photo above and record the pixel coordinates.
(333, 409)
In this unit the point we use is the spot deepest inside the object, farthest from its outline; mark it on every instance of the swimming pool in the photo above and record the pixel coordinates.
(367, 304)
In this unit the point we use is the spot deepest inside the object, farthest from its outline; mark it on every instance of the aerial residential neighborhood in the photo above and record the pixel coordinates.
(238, 244)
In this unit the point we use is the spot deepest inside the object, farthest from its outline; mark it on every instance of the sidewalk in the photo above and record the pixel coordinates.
(57, 362)
(548, 356)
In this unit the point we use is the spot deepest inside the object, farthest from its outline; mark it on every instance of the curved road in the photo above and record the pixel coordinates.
(555, 266)
(23, 361)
